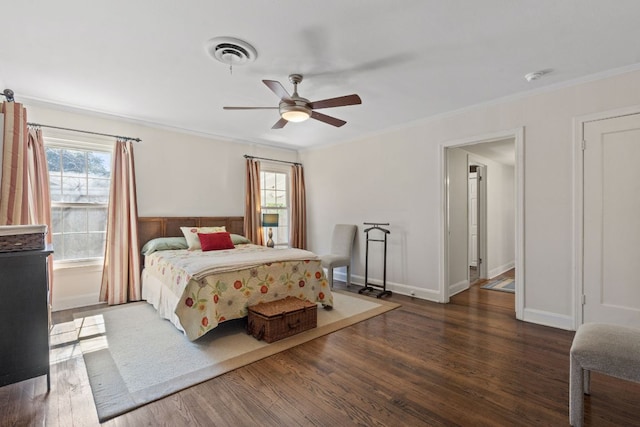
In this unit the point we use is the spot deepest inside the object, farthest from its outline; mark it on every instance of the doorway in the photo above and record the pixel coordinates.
(504, 231)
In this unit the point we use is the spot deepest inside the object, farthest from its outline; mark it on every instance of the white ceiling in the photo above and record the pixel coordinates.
(146, 60)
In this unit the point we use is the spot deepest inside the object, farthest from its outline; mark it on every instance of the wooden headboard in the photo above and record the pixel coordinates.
(152, 227)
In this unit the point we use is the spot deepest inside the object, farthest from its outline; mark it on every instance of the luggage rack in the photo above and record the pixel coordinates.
(369, 287)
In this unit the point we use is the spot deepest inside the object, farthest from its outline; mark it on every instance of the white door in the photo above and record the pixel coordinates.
(611, 278)
(473, 219)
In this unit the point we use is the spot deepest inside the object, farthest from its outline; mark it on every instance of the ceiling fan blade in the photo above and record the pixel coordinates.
(277, 88)
(279, 124)
(327, 119)
(249, 108)
(340, 101)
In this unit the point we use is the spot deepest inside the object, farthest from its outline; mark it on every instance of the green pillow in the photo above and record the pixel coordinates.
(239, 240)
(164, 244)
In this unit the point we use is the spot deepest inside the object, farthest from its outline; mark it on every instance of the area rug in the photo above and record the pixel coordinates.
(504, 285)
(134, 357)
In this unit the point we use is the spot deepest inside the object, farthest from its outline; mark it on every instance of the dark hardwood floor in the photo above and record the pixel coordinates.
(467, 363)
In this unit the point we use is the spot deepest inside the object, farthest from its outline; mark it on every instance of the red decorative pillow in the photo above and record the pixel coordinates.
(215, 241)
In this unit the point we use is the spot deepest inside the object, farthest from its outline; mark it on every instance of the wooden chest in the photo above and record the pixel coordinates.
(272, 321)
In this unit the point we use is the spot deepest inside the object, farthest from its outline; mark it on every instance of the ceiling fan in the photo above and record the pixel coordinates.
(294, 108)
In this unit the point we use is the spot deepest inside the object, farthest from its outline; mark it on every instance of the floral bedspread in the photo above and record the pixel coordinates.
(210, 295)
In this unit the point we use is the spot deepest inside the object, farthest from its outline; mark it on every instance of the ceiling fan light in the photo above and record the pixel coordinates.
(294, 113)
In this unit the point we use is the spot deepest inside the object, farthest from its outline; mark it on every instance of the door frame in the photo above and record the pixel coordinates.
(518, 135)
(578, 203)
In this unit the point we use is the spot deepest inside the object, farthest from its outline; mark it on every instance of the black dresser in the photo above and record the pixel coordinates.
(24, 316)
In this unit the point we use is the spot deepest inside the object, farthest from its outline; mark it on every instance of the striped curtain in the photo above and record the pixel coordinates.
(14, 196)
(39, 194)
(253, 204)
(24, 186)
(298, 238)
(121, 271)
(39, 202)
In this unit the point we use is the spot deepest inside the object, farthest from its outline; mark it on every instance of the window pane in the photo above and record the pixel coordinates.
(269, 180)
(56, 220)
(283, 220)
(270, 198)
(99, 164)
(55, 185)
(280, 199)
(75, 246)
(281, 181)
(58, 246)
(74, 188)
(283, 235)
(74, 161)
(53, 158)
(95, 245)
(97, 219)
(98, 189)
(74, 220)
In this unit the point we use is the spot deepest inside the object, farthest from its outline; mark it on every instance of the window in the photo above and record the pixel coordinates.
(274, 186)
(79, 179)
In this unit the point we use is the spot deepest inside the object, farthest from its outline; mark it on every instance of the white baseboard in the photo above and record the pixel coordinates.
(539, 317)
(398, 288)
(456, 288)
(555, 320)
(501, 269)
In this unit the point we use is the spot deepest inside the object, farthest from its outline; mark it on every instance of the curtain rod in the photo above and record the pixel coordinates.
(246, 156)
(8, 93)
(126, 138)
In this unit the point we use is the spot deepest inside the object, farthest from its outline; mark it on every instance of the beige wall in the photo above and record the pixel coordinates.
(392, 176)
(395, 177)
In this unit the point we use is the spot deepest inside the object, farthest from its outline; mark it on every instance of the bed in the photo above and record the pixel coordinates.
(198, 289)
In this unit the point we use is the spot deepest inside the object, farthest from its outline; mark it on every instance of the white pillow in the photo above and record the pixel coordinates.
(191, 234)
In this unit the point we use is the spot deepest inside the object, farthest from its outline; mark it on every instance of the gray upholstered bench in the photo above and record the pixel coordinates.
(609, 349)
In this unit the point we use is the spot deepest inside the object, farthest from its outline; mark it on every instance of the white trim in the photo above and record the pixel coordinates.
(444, 226)
(520, 236)
(518, 135)
(64, 139)
(397, 288)
(578, 203)
(456, 288)
(546, 318)
(278, 167)
(578, 200)
(500, 269)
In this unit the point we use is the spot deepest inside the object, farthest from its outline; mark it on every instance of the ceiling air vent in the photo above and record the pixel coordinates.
(231, 51)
